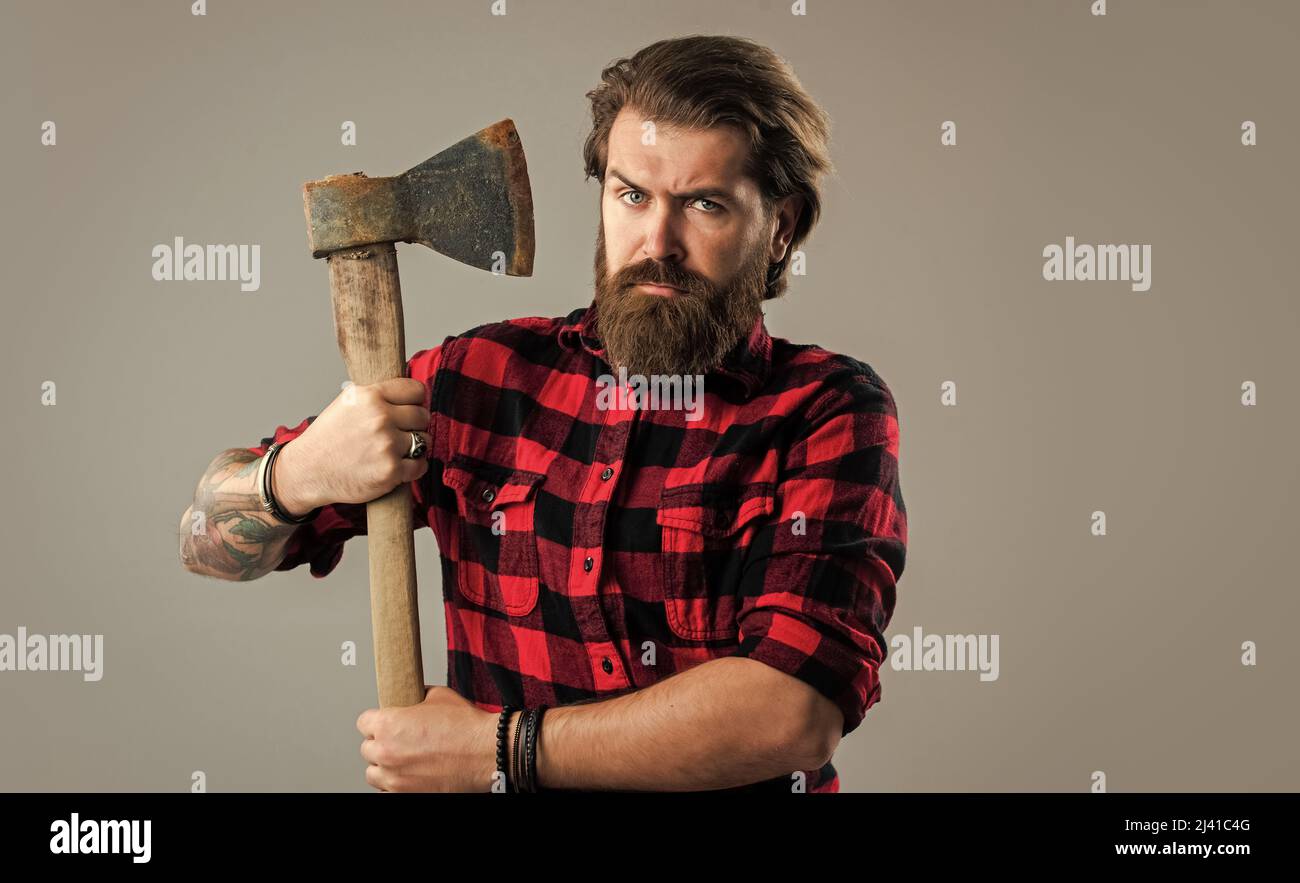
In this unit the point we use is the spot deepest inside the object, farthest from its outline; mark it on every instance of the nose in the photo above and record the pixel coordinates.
(662, 242)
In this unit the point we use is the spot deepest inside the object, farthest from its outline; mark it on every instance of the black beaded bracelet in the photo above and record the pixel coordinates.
(503, 724)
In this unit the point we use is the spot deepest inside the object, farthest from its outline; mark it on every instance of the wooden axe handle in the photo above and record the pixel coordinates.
(367, 300)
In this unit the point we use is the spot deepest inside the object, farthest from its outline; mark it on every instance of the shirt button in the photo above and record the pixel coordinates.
(489, 495)
(604, 476)
(607, 665)
(586, 565)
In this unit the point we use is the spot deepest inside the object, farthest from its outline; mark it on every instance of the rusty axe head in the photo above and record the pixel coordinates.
(471, 202)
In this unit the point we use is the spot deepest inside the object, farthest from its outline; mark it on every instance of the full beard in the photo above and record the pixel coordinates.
(684, 334)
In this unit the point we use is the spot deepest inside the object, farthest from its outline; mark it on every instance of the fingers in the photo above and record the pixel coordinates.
(377, 778)
(413, 470)
(402, 391)
(409, 416)
(417, 469)
(370, 751)
(402, 443)
(409, 470)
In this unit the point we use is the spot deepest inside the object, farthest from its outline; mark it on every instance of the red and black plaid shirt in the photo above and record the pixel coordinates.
(588, 550)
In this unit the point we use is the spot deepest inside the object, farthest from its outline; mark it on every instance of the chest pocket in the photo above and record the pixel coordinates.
(706, 531)
(495, 545)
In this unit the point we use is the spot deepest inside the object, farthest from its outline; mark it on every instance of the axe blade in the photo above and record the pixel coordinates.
(471, 202)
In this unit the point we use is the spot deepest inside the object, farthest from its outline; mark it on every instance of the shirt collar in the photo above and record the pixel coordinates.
(748, 363)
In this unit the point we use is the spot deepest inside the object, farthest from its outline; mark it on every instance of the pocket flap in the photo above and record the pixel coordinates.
(715, 510)
(488, 485)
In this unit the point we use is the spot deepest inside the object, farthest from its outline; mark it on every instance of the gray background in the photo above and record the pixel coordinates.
(1118, 653)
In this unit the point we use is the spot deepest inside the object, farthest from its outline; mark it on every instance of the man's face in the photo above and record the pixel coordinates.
(680, 212)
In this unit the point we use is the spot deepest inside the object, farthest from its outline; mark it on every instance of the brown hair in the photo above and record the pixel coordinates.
(699, 82)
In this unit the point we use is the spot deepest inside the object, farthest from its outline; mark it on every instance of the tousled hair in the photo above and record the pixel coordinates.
(699, 82)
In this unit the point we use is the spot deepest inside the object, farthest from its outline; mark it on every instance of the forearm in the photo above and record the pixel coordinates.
(724, 723)
(234, 539)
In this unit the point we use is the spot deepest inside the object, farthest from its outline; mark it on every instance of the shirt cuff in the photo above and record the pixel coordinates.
(319, 542)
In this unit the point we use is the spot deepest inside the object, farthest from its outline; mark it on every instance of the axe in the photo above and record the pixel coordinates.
(472, 202)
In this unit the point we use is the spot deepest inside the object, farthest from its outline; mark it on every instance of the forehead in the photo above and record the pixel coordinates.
(678, 159)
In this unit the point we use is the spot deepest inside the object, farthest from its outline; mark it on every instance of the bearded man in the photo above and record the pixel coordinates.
(687, 598)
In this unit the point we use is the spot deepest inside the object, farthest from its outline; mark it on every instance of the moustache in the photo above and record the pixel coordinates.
(655, 273)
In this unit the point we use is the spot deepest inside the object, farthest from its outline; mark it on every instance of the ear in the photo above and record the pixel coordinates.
(785, 216)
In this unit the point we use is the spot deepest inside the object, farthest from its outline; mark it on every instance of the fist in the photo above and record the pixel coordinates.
(354, 451)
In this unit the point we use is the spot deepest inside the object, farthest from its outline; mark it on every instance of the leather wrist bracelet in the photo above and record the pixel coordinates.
(269, 503)
(517, 773)
(525, 786)
(530, 753)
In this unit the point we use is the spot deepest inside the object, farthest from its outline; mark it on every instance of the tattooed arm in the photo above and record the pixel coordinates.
(234, 539)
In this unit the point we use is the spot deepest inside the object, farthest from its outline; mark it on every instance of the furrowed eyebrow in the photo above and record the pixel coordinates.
(701, 193)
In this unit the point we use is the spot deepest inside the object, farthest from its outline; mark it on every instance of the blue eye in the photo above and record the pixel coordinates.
(715, 207)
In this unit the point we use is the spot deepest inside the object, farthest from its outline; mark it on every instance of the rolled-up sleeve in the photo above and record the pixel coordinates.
(319, 542)
(818, 589)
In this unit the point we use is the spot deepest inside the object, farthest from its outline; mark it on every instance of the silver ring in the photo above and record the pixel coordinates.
(418, 447)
